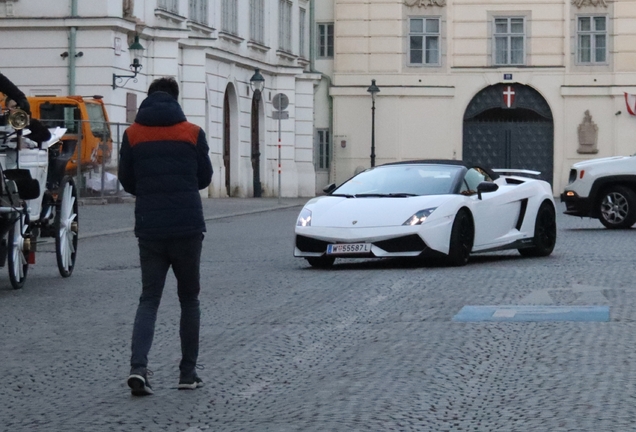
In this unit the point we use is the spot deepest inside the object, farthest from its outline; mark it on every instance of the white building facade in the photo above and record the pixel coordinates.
(212, 47)
(512, 84)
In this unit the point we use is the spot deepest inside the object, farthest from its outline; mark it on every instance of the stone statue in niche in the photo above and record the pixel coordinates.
(425, 3)
(588, 135)
(581, 3)
(128, 6)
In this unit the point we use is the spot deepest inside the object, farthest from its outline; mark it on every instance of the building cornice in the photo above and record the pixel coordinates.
(224, 55)
(257, 46)
(393, 90)
(425, 3)
(505, 68)
(202, 29)
(580, 3)
(230, 37)
(101, 22)
(166, 33)
(286, 55)
(170, 16)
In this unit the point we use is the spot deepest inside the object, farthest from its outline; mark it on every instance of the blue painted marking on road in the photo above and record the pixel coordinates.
(532, 313)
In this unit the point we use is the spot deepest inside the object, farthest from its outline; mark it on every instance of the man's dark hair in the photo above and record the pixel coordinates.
(165, 84)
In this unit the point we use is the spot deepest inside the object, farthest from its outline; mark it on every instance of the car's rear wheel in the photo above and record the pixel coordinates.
(324, 261)
(545, 232)
(617, 207)
(461, 239)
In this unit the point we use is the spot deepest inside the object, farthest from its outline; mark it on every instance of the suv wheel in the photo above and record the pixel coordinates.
(617, 207)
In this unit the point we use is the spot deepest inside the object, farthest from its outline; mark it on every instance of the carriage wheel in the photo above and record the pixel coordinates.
(18, 264)
(66, 227)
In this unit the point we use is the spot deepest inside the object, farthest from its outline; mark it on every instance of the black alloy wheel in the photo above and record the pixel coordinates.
(617, 207)
(461, 239)
(545, 232)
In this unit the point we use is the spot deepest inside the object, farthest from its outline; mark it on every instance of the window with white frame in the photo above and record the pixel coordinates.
(302, 28)
(323, 149)
(229, 16)
(510, 41)
(325, 40)
(592, 39)
(169, 5)
(424, 41)
(285, 26)
(199, 11)
(257, 21)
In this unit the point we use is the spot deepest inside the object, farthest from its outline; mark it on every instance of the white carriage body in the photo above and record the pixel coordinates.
(22, 221)
(37, 162)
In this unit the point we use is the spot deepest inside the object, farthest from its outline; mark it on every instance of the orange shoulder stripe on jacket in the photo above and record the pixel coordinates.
(184, 131)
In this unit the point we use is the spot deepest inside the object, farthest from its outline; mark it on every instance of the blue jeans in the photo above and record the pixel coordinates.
(156, 257)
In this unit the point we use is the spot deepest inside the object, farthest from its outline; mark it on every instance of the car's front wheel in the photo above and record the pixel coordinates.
(617, 207)
(545, 232)
(461, 239)
(324, 261)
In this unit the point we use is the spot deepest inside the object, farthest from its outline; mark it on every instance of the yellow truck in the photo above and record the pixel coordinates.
(86, 121)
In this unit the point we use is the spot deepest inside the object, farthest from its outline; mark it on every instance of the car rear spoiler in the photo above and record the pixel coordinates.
(515, 171)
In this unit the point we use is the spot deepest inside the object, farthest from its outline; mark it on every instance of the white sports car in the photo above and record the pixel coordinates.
(428, 209)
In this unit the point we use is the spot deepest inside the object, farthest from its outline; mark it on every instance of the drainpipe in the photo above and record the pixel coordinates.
(71, 51)
(312, 56)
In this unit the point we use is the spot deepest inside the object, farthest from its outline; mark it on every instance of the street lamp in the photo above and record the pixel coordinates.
(257, 83)
(373, 89)
(136, 50)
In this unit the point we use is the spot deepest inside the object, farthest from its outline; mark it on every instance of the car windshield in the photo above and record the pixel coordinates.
(402, 180)
(62, 115)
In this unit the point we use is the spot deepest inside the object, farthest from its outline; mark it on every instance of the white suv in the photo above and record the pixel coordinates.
(604, 189)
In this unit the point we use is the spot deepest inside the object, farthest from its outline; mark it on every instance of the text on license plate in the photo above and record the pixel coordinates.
(349, 248)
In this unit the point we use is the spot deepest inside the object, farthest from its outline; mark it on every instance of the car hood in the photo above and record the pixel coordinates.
(604, 161)
(369, 212)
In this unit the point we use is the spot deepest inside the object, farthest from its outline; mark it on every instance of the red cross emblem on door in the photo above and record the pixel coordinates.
(509, 96)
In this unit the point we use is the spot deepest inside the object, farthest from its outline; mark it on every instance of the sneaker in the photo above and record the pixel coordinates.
(190, 382)
(139, 384)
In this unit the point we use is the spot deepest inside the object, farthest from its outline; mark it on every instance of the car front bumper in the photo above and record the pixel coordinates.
(397, 241)
(576, 205)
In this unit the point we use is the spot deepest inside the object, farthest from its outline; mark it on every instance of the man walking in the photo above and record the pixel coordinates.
(164, 162)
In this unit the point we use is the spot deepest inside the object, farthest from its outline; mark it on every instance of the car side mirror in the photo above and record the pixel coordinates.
(329, 188)
(485, 187)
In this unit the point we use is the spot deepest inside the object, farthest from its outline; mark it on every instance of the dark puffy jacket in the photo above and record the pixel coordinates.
(13, 92)
(164, 162)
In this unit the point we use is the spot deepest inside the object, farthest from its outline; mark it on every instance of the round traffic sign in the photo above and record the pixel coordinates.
(280, 101)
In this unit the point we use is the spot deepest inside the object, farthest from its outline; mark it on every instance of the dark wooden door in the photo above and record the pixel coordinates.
(517, 135)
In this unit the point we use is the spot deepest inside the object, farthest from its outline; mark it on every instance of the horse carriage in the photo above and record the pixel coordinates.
(37, 198)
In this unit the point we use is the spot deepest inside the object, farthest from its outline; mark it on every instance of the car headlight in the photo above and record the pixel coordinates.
(304, 218)
(419, 217)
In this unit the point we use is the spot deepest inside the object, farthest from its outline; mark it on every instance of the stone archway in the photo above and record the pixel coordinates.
(510, 126)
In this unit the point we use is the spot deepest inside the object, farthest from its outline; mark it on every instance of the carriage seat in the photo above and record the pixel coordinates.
(28, 187)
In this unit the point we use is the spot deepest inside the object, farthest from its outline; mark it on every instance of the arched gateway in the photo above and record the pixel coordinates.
(510, 126)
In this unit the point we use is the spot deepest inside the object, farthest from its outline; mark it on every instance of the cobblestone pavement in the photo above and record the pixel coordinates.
(365, 346)
(98, 218)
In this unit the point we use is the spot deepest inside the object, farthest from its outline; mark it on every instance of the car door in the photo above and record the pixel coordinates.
(495, 214)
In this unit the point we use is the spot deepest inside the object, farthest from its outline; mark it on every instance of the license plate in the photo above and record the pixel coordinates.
(349, 248)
